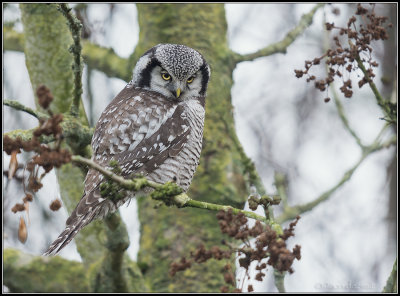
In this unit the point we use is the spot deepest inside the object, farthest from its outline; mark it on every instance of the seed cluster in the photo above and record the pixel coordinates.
(45, 156)
(268, 244)
(344, 58)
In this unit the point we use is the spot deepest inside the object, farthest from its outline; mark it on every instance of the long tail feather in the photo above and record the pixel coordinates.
(87, 210)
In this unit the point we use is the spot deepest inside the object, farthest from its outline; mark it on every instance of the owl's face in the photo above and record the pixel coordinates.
(176, 71)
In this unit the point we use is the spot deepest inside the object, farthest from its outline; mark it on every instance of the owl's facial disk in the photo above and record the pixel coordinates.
(176, 71)
(178, 89)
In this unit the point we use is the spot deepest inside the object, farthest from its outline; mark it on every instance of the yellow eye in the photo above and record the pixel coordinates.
(190, 80)
(165, 76)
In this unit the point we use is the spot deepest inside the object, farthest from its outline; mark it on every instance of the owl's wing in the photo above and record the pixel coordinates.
(140, 129)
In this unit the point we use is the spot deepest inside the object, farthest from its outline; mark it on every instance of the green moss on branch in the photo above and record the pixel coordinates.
(24, 273)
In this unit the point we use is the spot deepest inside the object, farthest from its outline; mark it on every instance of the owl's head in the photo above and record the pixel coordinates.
(176, 71)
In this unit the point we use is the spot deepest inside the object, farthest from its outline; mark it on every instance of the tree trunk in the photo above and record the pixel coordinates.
(170, 233)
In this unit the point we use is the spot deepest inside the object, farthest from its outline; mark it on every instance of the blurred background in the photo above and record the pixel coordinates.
(349, 242)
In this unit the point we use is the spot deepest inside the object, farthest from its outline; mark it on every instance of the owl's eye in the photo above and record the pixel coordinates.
(165, 76)
(190, 79)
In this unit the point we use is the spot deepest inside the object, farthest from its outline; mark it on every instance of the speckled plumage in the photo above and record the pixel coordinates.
(150, 128)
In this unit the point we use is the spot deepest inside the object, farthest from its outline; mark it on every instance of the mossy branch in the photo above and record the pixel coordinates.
(391, 283)
(75, 27)
(12, 40)
(281, 46)
(97, 57)
(76, 133)
(169, 193)
(18, 106)
(112, 275)
(106, 60)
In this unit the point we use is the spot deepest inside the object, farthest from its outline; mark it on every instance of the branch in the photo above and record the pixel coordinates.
(18, 106)
(381, 102)
(112, 276)
(279, 279)
(391, 283)
(290, 213)
(76, 133)
(106, 60)
(75, 27)
(338, 104)
(282, 45)
(97, 57)
(343, 117)
(177, 198)
(12, 40)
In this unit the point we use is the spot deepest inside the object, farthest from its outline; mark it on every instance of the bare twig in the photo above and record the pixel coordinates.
(291, 212)
(281, 46)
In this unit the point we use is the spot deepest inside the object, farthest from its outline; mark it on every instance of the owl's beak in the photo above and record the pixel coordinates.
(178, 92)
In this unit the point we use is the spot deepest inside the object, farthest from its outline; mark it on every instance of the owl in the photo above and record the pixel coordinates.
(153, 127)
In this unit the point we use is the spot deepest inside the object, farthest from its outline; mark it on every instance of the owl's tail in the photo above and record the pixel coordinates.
(87, 210)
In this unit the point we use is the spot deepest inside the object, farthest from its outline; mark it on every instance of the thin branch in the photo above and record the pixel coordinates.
(290, 213)
(99, 58)
(338, 103)
(75, 27)
(280, 184)
(279, 279)
(343, 117)
(384, 104)
(18, 106)
(371, 83)
(180, 200)
(282, 45)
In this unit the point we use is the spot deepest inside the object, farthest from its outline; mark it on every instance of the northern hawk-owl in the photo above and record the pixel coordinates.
(154, 127)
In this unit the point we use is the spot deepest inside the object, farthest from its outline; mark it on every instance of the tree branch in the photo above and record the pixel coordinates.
(338, 103)
(76, 133)
(18, 106)
(279, 280)
(12, 40)
(98, 57)
(290, 213)
(282, 45)
(75, 27)
(381, 102)
(343, 117)
(391, 283)
(106, 60)
(179, 199)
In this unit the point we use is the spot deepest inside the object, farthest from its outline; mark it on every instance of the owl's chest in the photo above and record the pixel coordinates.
(181, 167)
